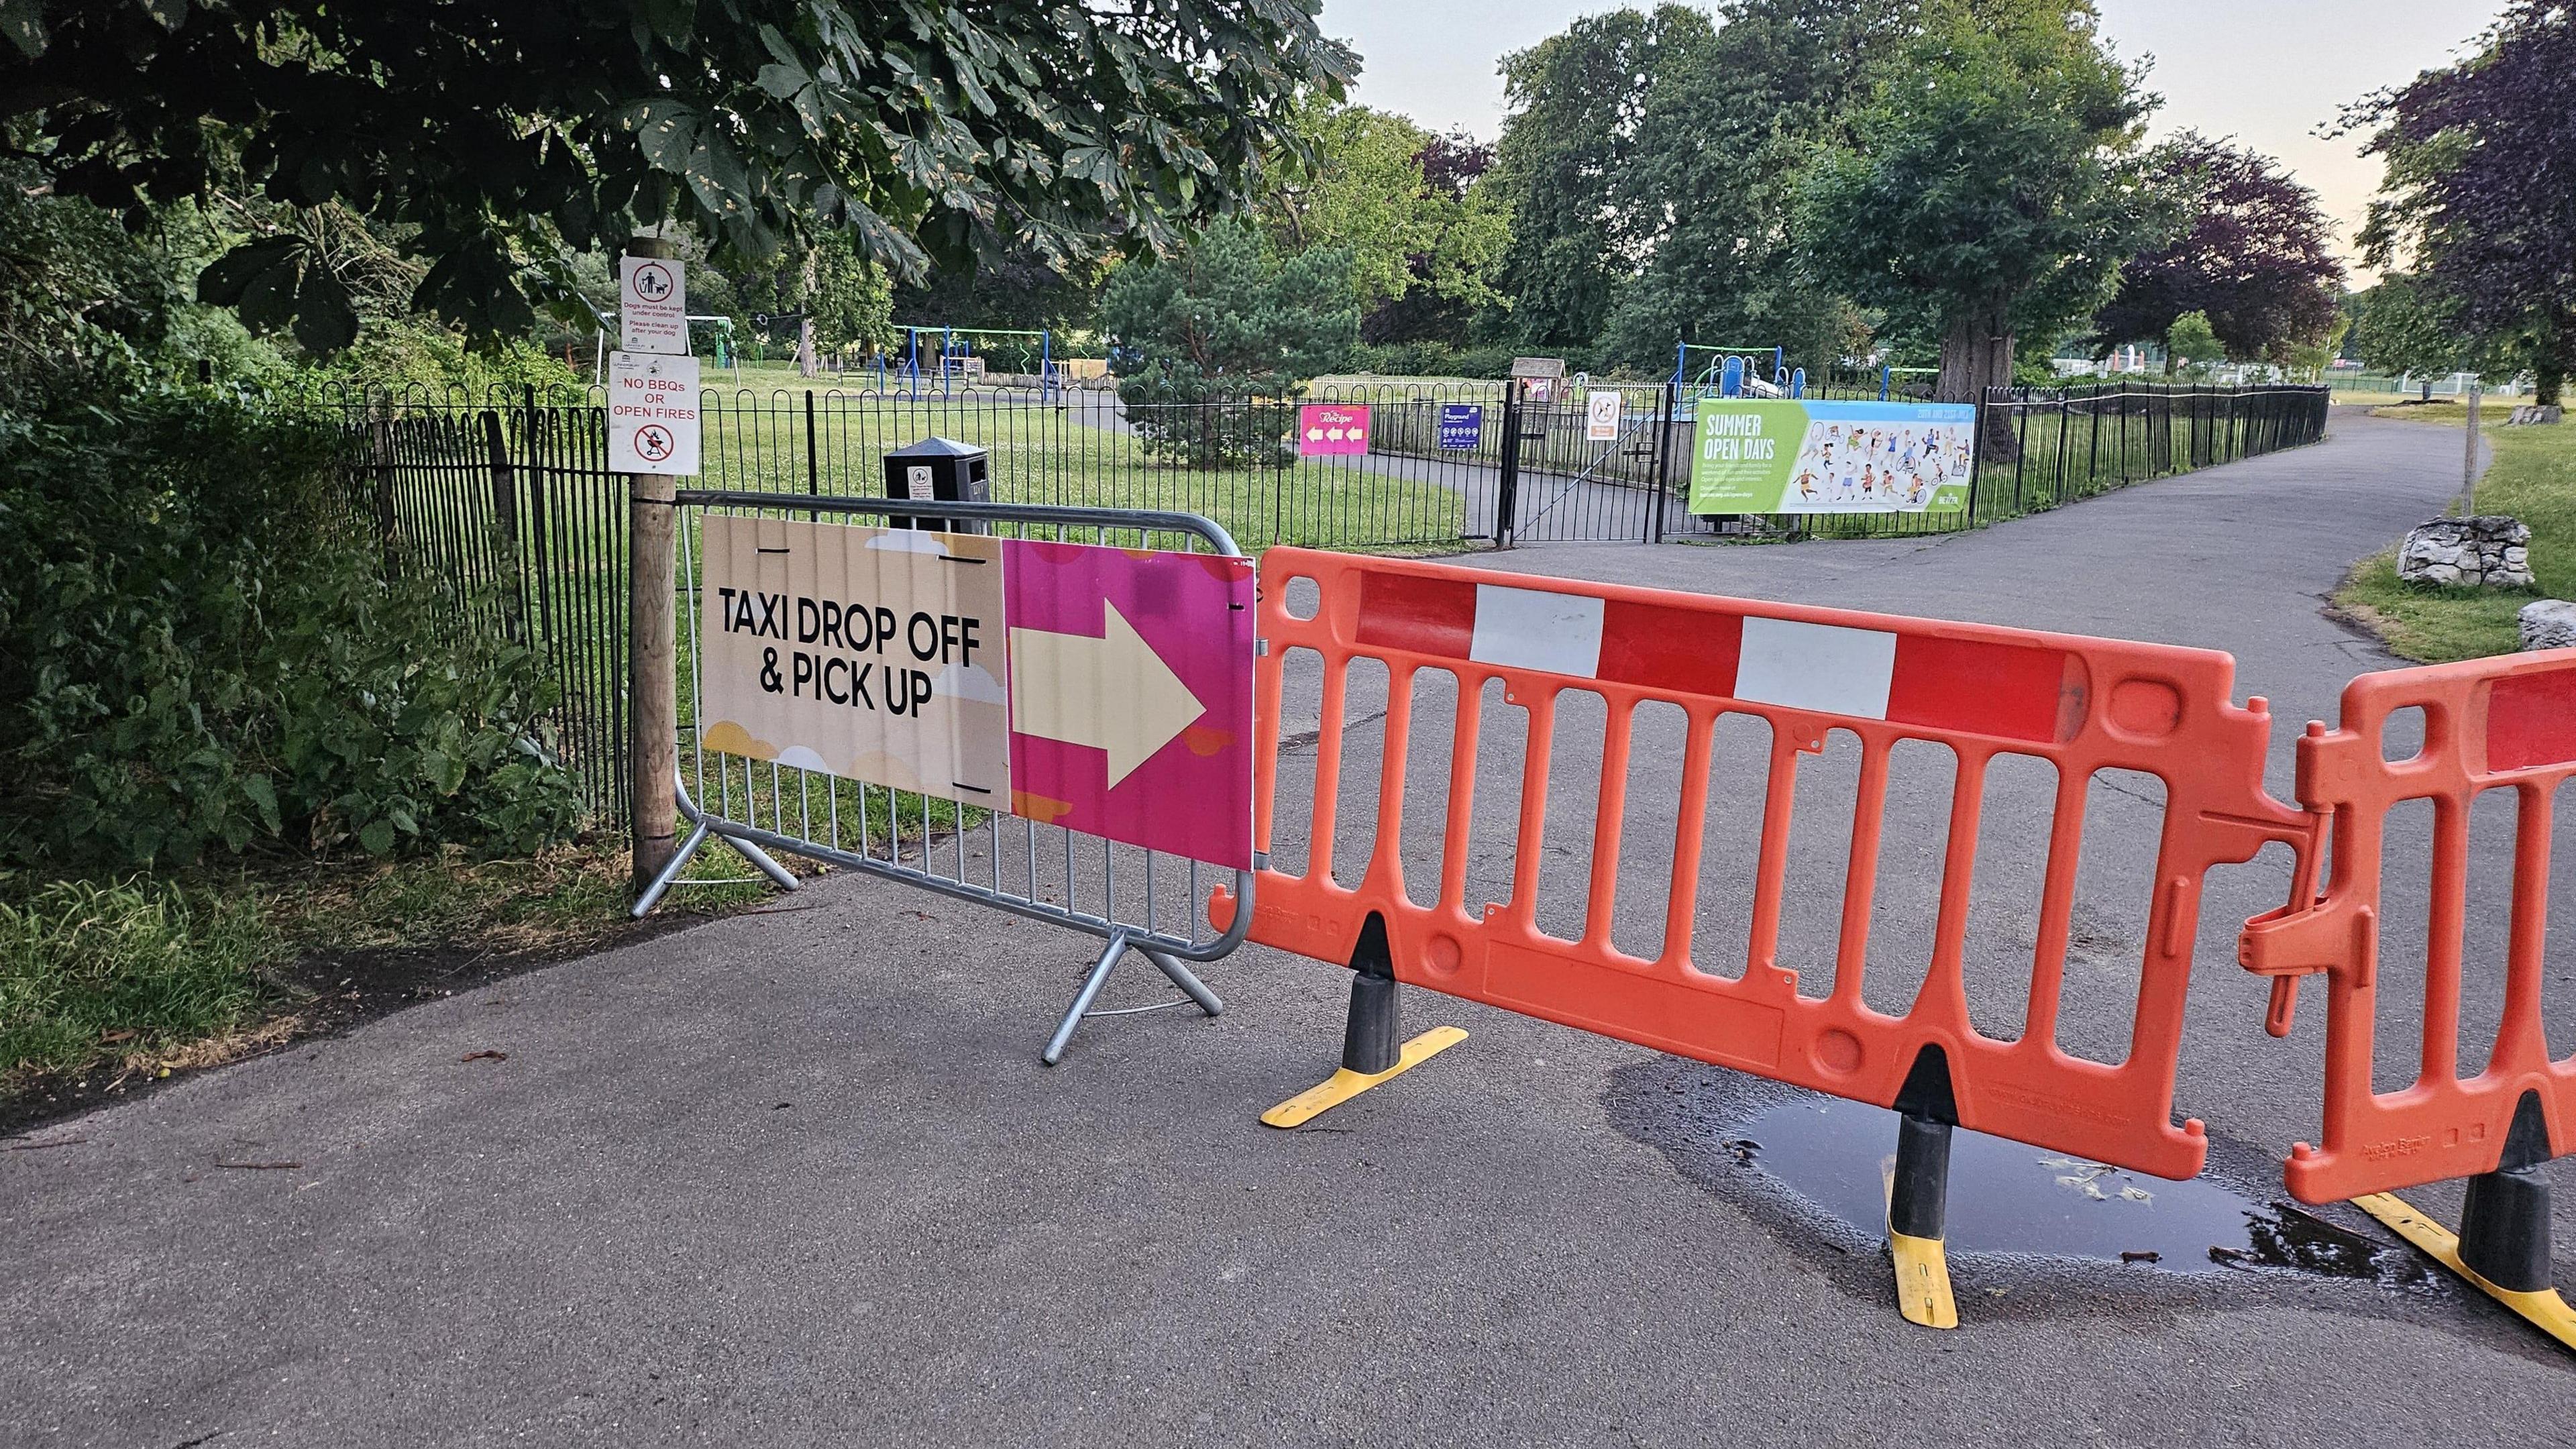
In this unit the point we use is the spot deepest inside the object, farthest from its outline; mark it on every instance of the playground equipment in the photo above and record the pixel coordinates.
(1888, 375)
(727, 355)
(1736, 371)
(953, 347)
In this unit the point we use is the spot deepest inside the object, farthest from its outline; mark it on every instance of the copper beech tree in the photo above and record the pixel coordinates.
(2479, 197)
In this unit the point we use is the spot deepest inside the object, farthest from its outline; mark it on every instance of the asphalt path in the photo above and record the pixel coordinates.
(796, 1177)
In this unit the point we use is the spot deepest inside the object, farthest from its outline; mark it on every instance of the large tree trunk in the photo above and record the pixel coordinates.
(2557, 348)
(1977, 354)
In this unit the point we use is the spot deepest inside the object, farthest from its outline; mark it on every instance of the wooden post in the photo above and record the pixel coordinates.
(2469, 465)
(653, 750)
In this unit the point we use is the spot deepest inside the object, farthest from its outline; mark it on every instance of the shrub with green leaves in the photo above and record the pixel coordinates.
(198, 656)
(1201, 422)
(1225, 332)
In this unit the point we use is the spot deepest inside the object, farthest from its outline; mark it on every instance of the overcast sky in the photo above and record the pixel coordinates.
(2268, 72)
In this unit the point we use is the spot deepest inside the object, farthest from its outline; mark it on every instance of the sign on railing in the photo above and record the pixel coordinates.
(848, 675)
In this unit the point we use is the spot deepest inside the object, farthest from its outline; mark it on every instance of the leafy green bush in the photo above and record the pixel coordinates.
(1202, 422)
(395, 354)
(81, 963)
(197, 655)
(1225, 330)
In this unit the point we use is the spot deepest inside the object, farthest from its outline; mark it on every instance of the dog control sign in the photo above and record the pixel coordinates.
(652, 414)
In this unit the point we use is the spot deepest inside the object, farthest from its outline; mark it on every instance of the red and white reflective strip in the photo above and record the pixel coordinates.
(1920, 675)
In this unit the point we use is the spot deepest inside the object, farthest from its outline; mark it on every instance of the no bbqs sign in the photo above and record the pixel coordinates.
(652, 414)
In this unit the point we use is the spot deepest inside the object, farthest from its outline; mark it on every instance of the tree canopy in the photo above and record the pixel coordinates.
(1575, 102)
(2399, 328)
(1362, 189)
(1228, 319)
(1709, 195)
(2479, 196)
(1452, 281)
(2250, 250)
(1989, 187)
(1228, 312)
(496, 136)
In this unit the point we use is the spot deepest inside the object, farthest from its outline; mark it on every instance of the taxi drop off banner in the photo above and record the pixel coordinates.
(1830, 457)
(1105, 690)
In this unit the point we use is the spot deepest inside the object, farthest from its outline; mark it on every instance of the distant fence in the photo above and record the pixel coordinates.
(507, 503)
(2045, 447)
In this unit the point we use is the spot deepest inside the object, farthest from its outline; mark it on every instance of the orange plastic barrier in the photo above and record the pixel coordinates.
(2502, 723)
(2084, 704)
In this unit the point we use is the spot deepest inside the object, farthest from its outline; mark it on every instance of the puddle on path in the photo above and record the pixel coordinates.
(2006, 1197)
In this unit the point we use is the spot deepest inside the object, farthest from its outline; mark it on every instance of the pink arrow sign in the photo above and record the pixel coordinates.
(1131, 695)
(1332, 429)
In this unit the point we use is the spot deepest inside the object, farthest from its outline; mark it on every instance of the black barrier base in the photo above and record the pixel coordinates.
(1918, 1192)
(2503, 1244)
(1373, 1048)
(1373, 1037)
(2504, 1223)
(1918, 1197)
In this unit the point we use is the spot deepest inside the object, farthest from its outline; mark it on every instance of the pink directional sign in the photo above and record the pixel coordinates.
(1329, 428)
(1131, 695)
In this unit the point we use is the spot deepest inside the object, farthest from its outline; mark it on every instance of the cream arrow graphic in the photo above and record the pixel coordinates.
(1113, 693)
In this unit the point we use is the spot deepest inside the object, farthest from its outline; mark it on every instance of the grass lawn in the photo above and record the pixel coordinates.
(1074, 454)
(106, 983)
(2533, 478)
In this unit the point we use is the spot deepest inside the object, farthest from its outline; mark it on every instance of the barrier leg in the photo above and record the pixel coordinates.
(1182, 977)
(762, 861)
(1119, 945)
(2503, 1245)
(1082, 999)
(1918, 1193)
(1918, 1196)
(1372, 1047)
(669, 875)
(670, 871)
(699, 829)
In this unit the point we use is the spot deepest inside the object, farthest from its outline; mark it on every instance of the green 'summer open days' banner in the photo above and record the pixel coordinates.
(1831, 457)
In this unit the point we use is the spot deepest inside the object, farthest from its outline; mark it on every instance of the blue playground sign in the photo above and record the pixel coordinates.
(1462, 425)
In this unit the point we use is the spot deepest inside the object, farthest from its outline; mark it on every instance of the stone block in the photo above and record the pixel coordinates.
(2548, 624)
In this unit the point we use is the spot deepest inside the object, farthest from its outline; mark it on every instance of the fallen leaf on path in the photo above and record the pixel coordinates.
(486, 1055)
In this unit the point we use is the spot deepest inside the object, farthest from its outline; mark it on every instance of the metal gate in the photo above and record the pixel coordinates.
(1559, 479)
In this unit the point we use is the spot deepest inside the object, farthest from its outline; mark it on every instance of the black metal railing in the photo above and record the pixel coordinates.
(507, 502)
(2045, 447)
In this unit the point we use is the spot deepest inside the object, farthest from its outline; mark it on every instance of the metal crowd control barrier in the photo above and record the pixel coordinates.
(1139, 900)
(2506, 723)
(2082, 704)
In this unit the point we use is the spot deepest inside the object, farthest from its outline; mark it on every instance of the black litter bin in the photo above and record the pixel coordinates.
(940, 468)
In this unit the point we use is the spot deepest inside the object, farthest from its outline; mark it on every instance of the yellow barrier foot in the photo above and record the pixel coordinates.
(1922, 1281)
(1345, 1084)
(2543, 1307)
